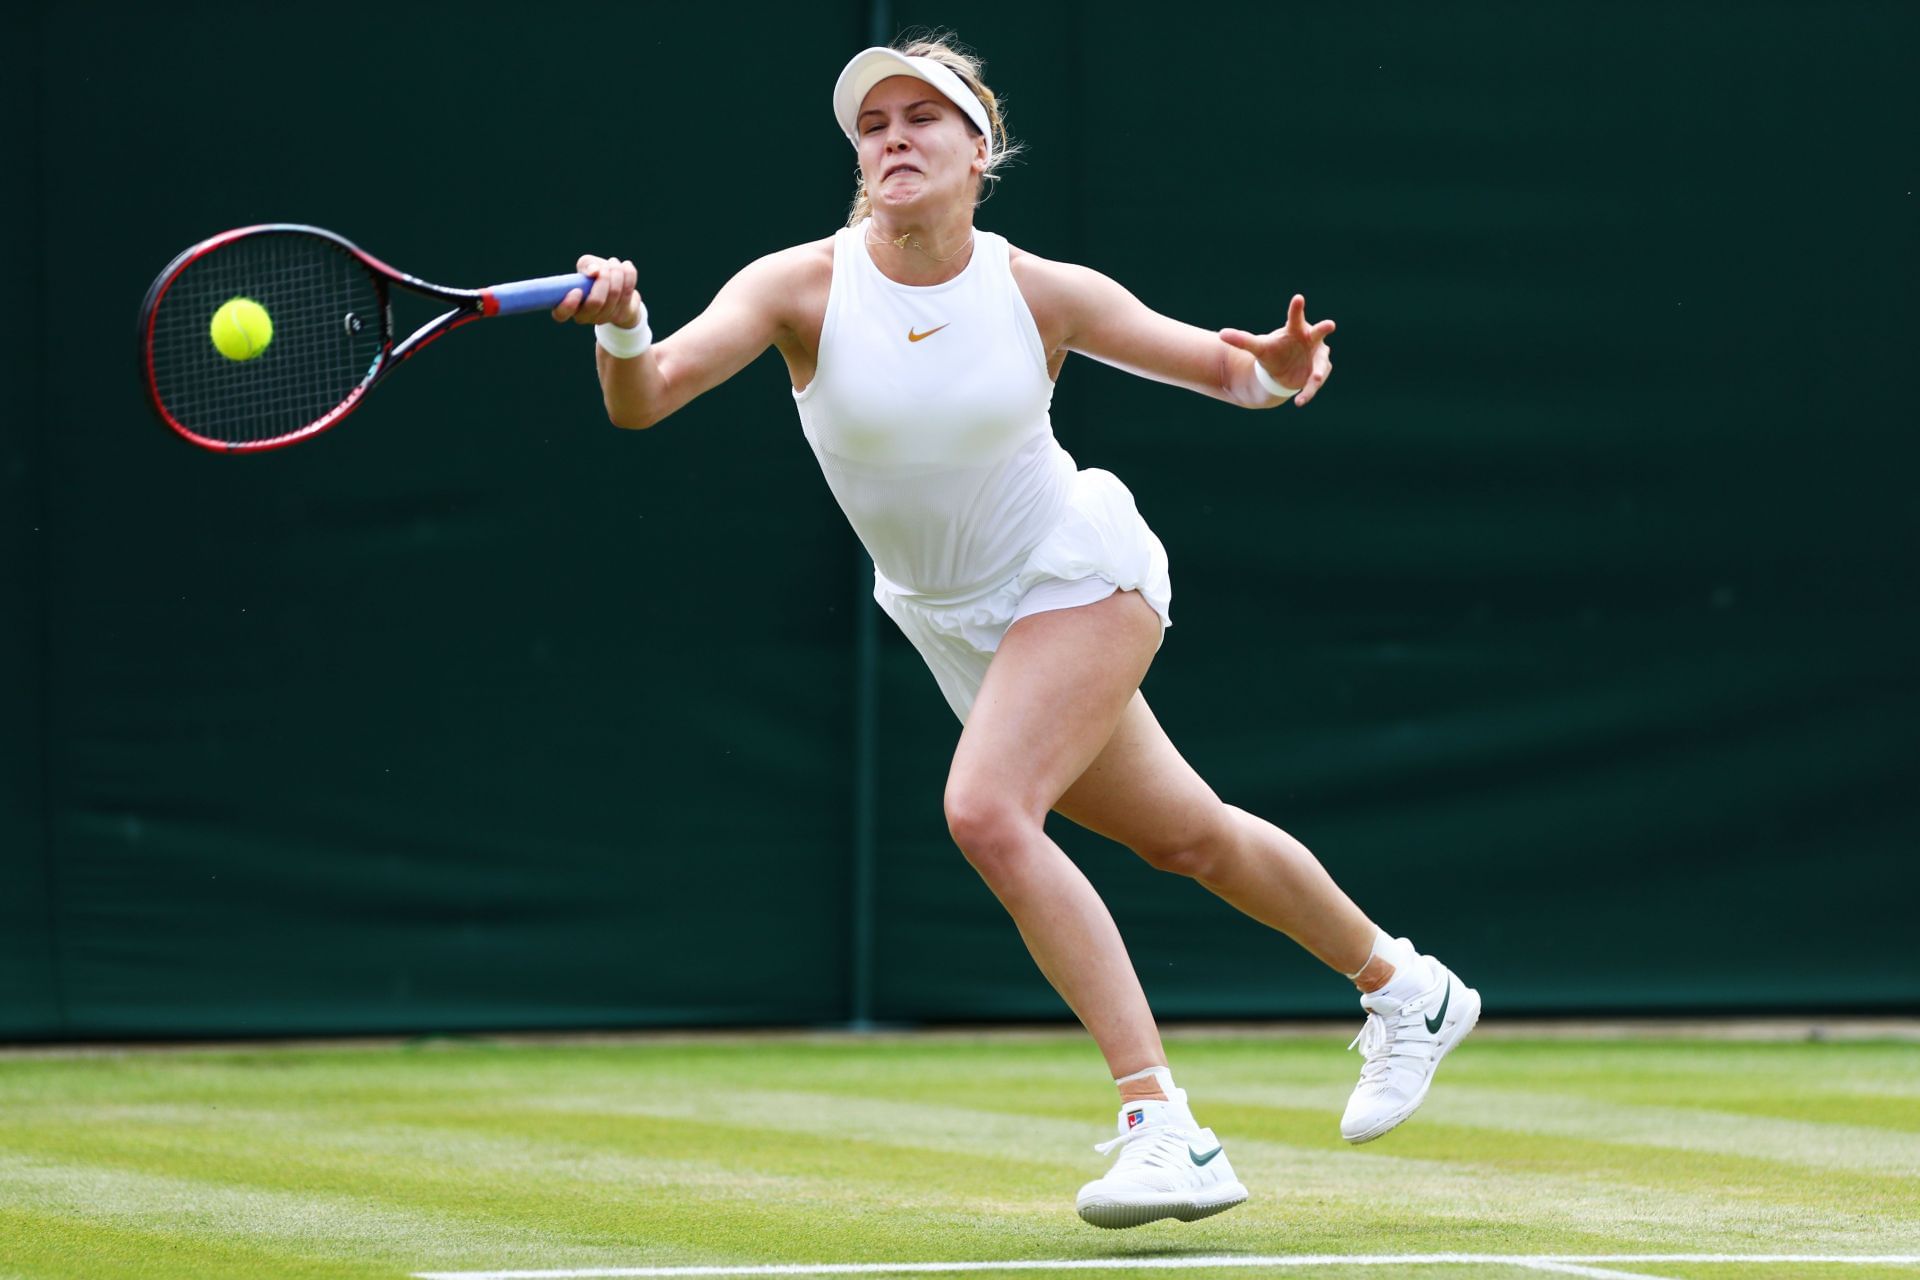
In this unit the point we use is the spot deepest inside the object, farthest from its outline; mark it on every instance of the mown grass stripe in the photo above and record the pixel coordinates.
(1873, 1087)
(1845, 1147)
(54, 1244)
(189, 1206)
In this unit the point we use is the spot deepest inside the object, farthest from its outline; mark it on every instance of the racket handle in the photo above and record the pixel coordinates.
(533, 295)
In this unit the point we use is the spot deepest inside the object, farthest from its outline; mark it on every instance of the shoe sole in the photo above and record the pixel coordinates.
(1469, 1019)
(1114, 1216)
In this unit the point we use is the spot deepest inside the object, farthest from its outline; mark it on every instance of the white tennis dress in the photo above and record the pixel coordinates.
(928, 413)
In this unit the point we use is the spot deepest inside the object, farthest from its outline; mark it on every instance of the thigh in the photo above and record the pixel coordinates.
(1140, 790)
(1056, 687)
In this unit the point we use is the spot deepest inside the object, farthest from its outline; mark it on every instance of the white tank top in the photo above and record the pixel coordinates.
(928, 413)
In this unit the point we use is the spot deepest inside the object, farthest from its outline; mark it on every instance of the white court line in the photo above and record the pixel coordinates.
(1564, 1263)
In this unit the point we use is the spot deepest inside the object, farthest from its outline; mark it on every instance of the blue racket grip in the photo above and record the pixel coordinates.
(543, 294)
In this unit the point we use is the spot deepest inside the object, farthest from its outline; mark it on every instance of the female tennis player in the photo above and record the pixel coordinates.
(923, 353)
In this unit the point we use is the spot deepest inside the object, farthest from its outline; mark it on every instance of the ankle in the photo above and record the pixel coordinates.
(1376, 973)
(1152, 1084)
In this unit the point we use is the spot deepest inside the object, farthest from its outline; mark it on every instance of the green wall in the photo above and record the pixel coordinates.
(30, 988)
(1572, 626)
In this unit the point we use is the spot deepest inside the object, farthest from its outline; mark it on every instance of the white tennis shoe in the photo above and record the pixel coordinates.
(1403, 1042)
(1169, 1167)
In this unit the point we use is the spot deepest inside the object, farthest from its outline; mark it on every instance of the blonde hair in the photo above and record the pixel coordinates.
(945, 47)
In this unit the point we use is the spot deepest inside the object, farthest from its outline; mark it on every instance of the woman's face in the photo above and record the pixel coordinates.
(917, 151)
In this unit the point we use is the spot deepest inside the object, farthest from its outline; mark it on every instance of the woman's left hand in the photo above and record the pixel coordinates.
(1295, 356)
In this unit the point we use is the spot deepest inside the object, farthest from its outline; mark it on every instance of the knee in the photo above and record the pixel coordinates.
(990, 829)
(1197, 850)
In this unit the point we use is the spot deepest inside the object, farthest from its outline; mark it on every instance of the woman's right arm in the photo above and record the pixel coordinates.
(744, 319)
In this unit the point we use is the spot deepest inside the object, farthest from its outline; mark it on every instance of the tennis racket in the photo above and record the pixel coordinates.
(268, 335)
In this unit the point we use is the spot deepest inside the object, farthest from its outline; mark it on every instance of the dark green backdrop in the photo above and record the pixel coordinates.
(1573, 625)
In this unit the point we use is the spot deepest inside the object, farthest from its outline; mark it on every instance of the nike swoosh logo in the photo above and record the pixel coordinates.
(915, 337)
(1433, 1023)
(1202, 1159)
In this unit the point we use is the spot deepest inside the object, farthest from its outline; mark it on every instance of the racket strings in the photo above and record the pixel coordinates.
(329, 328)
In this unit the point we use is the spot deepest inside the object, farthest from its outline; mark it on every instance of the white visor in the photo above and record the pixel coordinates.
(871, 66)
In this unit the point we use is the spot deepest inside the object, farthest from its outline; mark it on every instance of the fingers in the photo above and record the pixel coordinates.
(1322, 370)
(1297, 321)
(611, 300)
(631, 310)
(569, 308)
(623, 302)
(1296, 326)
(595, 303)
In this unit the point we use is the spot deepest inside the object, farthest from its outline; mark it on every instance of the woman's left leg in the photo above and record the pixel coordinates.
(1141, 792)
(1052, 695)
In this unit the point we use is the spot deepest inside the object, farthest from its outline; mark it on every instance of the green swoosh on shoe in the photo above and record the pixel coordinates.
(1202, 1159)
(1433, 1023)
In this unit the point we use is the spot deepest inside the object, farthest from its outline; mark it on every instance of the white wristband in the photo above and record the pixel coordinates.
(1273, 387)
(624, 344)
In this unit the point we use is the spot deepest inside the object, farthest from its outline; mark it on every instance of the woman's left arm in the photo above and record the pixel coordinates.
(1079, 309)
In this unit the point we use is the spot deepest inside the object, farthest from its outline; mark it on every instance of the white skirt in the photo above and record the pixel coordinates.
(1101, 545)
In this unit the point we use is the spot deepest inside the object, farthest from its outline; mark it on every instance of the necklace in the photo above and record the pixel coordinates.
(902, 243)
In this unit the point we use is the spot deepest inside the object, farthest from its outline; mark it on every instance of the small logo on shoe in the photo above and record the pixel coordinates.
(1433, 1023)
(1136, 1118)
(1202, 1159)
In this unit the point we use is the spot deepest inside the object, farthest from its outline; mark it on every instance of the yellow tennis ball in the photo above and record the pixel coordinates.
(241, 329)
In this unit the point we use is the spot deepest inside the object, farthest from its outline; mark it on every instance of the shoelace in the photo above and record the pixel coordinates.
(1371, 1041)
(1379, 1046)
(1153, 1145)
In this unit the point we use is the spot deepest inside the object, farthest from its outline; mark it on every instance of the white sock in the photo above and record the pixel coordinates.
(1397, 952)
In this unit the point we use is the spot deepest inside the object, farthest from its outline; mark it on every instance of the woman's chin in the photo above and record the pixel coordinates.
(902, 192)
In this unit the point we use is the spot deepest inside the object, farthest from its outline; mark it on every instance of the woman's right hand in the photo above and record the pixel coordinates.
(612, 300)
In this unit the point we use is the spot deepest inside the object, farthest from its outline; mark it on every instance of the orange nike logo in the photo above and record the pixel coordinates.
(915, 337)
